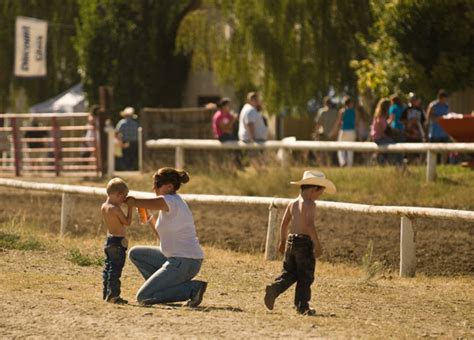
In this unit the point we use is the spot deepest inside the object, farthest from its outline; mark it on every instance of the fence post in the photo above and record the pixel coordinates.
(16, 146)
(110, 150)
(430, 166)
(407, 248)
(67, 206)
(57, 146)
(271, 244)
(179, 157)
(140, 149)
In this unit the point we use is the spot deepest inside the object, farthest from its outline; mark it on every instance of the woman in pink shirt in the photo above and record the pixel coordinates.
(378, 132)
(222, 121)
(379, 123)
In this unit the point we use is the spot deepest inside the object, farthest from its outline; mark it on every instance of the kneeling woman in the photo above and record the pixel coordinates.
(168, 269)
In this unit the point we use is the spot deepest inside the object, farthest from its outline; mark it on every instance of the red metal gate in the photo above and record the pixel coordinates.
(49, 144)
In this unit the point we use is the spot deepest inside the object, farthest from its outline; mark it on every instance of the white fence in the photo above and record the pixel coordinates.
(431, 149)
(407, 235)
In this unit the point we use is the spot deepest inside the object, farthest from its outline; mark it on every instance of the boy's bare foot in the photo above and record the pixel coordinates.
(117, 300)
(270, 297)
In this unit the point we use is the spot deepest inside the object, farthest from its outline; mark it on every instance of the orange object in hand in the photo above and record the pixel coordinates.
(143, 215)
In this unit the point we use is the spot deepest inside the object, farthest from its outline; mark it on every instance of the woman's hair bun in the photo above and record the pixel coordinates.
(183, 176)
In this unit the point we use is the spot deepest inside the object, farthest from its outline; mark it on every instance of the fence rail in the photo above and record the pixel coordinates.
(407, 235)
(431, 149)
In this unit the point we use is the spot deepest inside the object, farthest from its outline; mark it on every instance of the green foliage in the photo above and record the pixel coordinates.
(290, 50)
(14, 241)
(75, 256)
(419, 45)
(130, 45)
(61, 57)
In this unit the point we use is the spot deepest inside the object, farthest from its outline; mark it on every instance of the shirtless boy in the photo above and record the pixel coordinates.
(115, 247)
(299, 235)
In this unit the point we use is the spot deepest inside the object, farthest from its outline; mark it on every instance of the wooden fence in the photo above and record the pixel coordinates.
(406, 214)
(431, 149)
(49, 144)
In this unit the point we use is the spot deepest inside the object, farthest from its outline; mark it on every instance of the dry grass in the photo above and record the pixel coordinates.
(45, 295)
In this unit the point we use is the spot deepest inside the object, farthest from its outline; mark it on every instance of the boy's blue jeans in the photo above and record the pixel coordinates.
(115, 254)
(167, 279)
(298, 266)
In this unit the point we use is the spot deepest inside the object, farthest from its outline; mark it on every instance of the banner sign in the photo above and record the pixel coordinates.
(30, 47)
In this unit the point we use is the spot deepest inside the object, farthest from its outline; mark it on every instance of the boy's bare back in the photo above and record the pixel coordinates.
(114, 218)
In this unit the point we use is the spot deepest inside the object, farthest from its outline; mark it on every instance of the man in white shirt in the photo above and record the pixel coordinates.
(252, 126)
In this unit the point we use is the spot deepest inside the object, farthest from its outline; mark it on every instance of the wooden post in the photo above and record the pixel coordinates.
(110, 150)
(66, 212)
(140, 149)
(407, 248)
(16, 146)
(97, 146)
(271, 244)
(57, 146)
(285, 157)
(430, 166)
(179, 157)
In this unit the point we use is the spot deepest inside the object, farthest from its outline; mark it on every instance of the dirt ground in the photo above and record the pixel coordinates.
(45, 296)
(444, 247)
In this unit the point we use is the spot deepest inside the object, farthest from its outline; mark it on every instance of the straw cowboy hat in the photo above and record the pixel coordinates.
(314, 177)
(128, 112)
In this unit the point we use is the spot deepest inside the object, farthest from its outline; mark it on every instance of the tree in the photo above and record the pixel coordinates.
(61, 57)
(130, 45)
(419, 45)
(292, 50)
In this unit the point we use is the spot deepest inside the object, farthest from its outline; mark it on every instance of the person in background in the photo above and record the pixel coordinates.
(326, 129)
(437, 109)
(252, 127)
(347, 132)
(127, 127)
(380, 131)
(380, 127)
(394, 114)
(413, 119)
(92, 121)
(222, 121)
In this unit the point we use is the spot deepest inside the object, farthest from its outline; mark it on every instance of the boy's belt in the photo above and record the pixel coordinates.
(295, 237)
(117, 240)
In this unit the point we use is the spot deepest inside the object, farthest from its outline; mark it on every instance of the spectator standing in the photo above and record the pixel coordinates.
(252, 127)
(222, 121)
(379, 127)
(326, 129)
(347, 132)
(394, 115)
(92, 122)
(127, 128)
(413, 119)
(437, 109)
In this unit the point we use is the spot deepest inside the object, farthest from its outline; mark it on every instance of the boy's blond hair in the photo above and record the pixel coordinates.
(116, 185)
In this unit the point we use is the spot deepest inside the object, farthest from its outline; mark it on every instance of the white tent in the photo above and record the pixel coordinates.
(72, 100)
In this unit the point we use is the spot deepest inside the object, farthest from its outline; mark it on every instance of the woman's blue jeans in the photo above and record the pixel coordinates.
(167, 279)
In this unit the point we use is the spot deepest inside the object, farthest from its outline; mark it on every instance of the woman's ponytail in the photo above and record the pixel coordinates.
(183, 176)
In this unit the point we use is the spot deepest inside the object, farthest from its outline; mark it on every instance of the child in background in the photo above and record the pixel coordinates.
(302, 243)
(116, 244)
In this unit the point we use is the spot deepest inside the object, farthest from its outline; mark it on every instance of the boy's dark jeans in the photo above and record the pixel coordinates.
(115, 254)
(298, 266)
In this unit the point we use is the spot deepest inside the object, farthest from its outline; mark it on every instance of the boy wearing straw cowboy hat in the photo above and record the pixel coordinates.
(302, 242)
